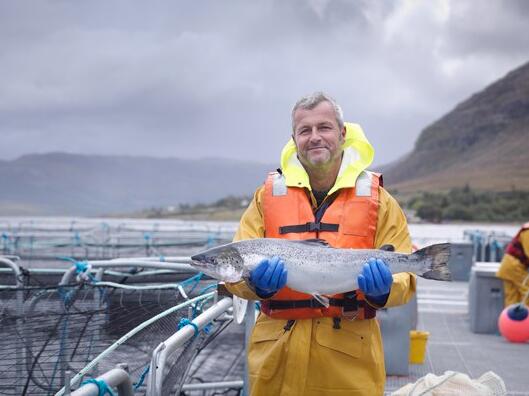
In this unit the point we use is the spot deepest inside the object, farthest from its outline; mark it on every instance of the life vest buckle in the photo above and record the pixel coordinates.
(351, 306)
(314, 226)
(350, 315)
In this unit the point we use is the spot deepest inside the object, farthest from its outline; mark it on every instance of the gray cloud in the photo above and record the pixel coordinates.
(219, 78)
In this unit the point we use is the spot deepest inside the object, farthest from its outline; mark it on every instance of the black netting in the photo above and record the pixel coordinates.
(46, 331)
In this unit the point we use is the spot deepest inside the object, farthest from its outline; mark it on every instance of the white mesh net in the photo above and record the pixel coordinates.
(454, 383)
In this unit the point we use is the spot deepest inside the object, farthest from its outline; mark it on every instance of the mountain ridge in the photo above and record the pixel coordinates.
(83, 184)
(483, 142)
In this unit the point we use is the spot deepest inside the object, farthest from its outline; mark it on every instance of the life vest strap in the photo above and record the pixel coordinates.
(348, 305)
(309, 227)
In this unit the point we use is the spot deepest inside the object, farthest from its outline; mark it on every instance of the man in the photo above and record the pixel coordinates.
(298, 346)
(514, 268)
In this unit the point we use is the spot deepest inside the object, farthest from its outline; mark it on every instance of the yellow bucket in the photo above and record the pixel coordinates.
(418, 346)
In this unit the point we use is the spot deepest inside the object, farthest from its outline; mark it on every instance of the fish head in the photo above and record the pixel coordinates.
(223, 263)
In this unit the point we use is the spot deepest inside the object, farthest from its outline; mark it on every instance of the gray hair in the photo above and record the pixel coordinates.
(311, 101)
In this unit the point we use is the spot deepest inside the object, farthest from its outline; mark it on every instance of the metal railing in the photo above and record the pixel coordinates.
(120, 378)
(162, 352)
(89, 239)
(77, 378)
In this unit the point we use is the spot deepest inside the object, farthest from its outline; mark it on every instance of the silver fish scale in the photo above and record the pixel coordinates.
(315, 268)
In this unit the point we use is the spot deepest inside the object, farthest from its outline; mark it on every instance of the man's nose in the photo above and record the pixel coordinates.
(314, 134)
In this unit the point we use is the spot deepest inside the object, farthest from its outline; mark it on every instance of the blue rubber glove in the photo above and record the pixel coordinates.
(268, 277)
(375, 281)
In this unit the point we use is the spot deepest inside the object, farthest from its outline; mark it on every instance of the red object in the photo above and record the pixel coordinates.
(515, 248)
(514, 323)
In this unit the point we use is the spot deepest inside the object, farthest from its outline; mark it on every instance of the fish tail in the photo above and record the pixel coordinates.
(435, 259)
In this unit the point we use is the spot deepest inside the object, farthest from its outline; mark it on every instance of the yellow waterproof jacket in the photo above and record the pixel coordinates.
(514, 273)
(313, 358)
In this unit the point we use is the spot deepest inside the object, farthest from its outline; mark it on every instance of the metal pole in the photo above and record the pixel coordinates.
(19, 345)
(71, 273)
(98, 302)
(249, 322)
(67, 378)
(213, 385)
(117, 377)
(182, 266)
(15, 268)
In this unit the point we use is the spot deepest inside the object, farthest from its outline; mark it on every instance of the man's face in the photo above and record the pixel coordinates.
(317, 136)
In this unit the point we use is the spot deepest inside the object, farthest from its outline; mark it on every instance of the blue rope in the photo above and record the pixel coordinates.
(81, 267)
(197, 308)
(66, 295)
(64, 258)
(194, 278)
(77, 239)
(102, 386)
(64, 335)
(198, 278)
(142, 377)
(208, 327)
(184, 322)
(209, 287)
(6, 240)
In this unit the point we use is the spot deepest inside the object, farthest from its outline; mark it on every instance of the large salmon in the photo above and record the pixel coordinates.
(313, 266)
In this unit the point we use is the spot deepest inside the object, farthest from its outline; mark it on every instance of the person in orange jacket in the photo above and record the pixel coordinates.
(324, 191)
(514, 268)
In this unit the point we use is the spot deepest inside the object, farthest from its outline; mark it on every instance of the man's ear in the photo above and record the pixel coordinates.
(343, 133)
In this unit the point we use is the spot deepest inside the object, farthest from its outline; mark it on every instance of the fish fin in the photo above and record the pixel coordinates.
(321, 299)
(436, 259)
(314, 241)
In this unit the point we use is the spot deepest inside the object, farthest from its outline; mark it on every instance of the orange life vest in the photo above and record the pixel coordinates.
(349, 220)
(515, 248)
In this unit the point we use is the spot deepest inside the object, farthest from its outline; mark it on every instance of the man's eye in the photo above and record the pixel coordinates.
(303, 131)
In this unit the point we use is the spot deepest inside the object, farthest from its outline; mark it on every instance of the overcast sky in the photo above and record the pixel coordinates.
(219, 78)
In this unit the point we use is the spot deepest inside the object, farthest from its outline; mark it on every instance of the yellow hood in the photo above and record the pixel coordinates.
(358, 155)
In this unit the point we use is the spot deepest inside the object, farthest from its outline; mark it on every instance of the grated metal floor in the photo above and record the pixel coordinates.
(443, 311)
